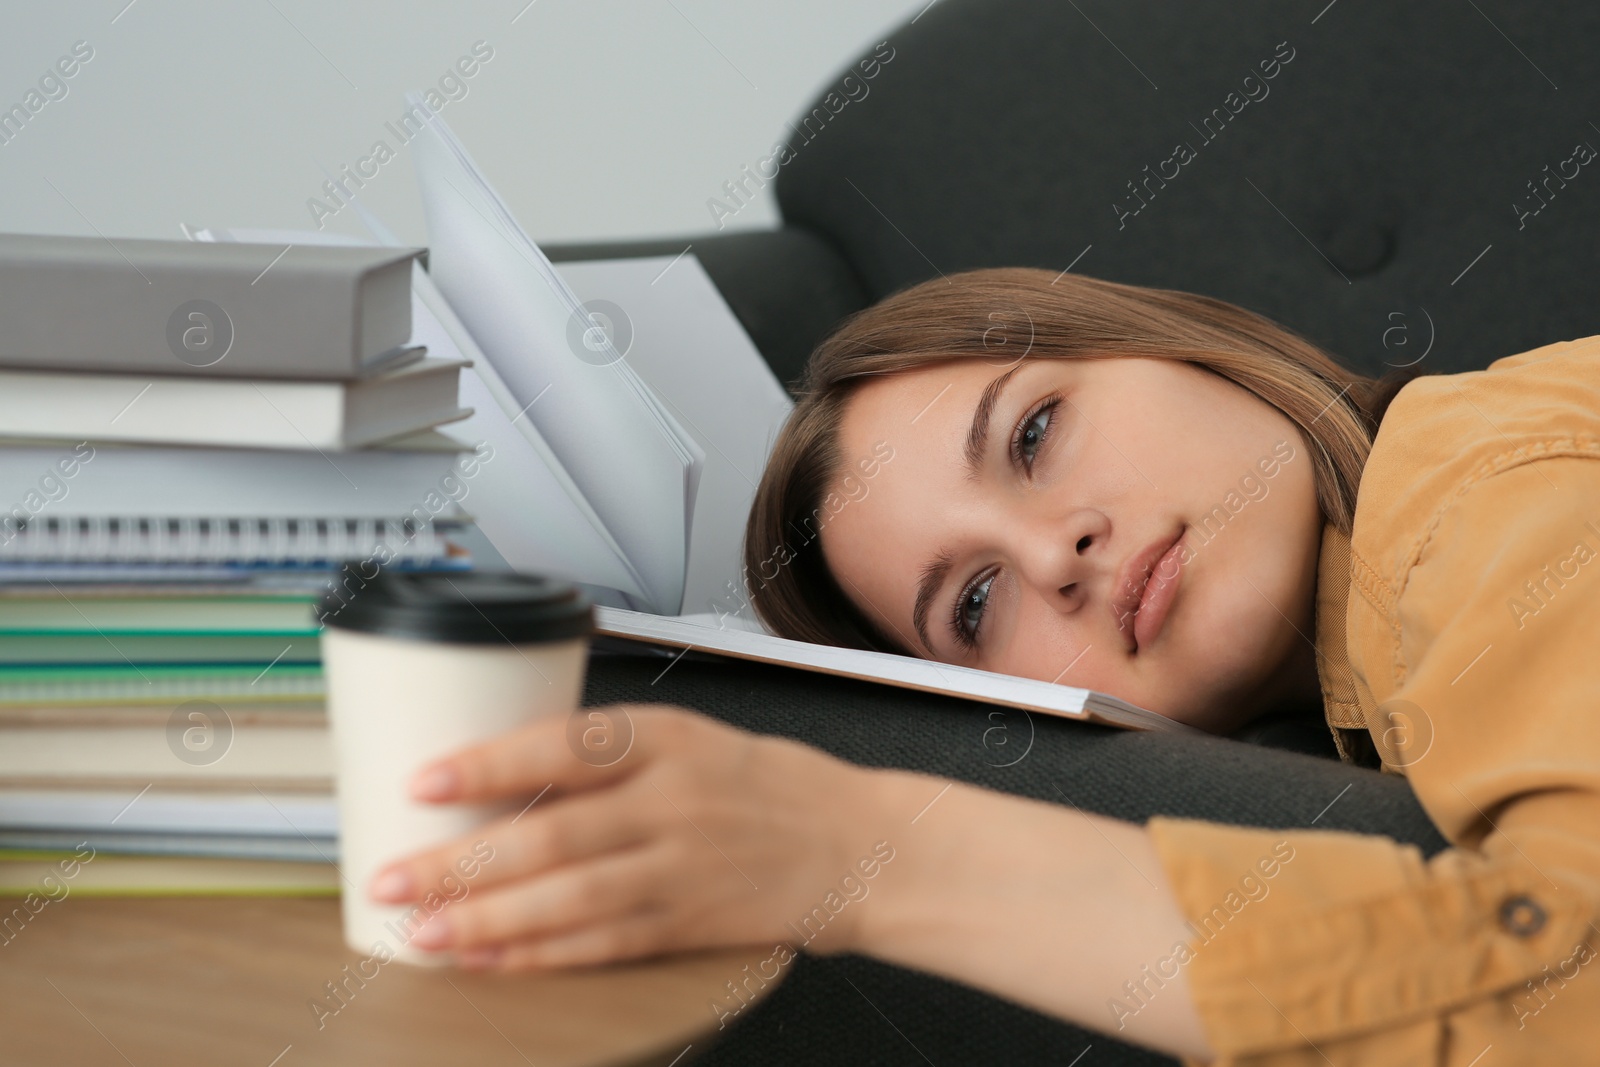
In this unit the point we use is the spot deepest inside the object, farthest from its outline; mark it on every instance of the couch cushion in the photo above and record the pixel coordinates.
(1373, 193)
(834, 1010)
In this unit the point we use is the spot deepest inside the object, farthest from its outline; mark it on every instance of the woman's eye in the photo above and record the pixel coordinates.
(969, 611)
(1032, 433)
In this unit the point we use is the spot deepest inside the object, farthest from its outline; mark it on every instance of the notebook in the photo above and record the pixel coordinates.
(139, 537)
(44, 478)
(220, 846)
(303, 713)
(232, 412)
(243, 811)
(703, 633)
(22, 873)
(158, 685)
(54, 627)
(226, 755)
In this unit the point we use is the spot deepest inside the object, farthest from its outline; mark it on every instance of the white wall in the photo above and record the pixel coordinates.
(595, 118)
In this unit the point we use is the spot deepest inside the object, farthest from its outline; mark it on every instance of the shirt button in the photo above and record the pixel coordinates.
(1522, 916)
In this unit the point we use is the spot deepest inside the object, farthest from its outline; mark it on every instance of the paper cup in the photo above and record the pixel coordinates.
(419, 666)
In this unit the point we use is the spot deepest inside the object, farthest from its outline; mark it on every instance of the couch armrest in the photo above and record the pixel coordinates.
(830, 1010)
(787, 287)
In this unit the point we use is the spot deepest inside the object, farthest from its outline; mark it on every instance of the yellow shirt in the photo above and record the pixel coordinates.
(1458, 638)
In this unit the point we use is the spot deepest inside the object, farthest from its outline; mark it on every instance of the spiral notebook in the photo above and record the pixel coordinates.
(139, 538)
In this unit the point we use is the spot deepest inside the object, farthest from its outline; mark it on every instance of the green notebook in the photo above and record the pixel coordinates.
(45, 875)
(134, 630)
(158, 615)
(164, 684)
(114, 648)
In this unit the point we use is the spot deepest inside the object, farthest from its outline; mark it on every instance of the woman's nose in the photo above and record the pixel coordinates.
(1057, 554)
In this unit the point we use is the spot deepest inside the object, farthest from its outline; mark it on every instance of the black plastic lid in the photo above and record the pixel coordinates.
(469, 608)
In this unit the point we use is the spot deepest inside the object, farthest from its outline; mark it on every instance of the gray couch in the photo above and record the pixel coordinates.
(1403, 188)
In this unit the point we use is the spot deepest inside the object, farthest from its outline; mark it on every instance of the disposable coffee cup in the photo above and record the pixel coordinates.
(418, 666)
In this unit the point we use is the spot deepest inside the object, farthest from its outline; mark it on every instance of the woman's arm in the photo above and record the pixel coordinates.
(1064, 911)
(705, 835)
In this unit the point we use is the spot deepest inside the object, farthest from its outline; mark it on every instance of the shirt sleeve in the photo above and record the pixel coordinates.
(1354, 949)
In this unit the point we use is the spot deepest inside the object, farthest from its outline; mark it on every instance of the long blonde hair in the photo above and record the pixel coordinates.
(1011, 313)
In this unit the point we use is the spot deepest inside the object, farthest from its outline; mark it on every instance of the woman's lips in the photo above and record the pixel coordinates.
(1145, 590)
(1159, 592)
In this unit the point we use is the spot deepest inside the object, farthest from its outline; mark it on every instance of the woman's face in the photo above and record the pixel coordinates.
(1142, 527)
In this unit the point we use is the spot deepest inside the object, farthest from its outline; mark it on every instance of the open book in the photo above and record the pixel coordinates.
(630, 419)
(636, 465)
(711, 633)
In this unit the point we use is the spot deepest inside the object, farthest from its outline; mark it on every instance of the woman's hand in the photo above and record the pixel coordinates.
(700, 835)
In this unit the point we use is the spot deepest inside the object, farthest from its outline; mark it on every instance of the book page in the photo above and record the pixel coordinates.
(905, 672)
(523, 499)
(634, 464)
(688, 346)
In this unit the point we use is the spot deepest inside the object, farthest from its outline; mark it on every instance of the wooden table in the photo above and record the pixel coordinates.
(180, 981)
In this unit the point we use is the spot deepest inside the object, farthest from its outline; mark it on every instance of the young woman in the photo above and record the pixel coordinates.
(1168, 498)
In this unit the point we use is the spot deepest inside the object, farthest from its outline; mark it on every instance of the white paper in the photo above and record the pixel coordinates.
(690, 349)
(133, 811)
(523, 500)
(637, 467)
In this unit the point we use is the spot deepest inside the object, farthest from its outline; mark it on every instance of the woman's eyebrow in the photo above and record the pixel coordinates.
(928, 585)
(978, 434)
(937, 569)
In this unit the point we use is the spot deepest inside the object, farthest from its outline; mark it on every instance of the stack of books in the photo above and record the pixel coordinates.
(196, 441)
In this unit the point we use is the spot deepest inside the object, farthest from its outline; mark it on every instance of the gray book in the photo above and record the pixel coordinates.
(192, 308)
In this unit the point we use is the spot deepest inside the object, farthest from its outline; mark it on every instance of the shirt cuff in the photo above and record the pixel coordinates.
(1300, 936)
